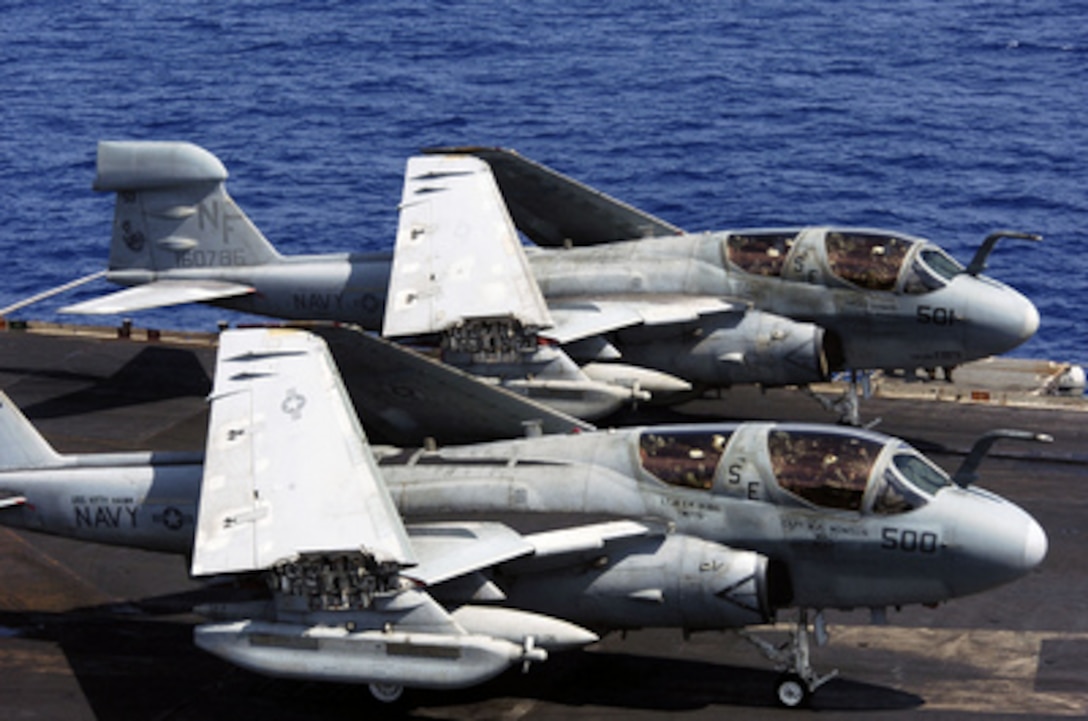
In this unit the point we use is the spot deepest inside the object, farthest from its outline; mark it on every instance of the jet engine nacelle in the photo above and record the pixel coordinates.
(670, 581)
(735, 348)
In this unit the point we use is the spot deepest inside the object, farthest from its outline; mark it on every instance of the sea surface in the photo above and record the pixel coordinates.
(942, 118)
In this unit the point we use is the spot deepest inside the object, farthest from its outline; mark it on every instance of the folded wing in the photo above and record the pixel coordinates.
(457, 253)
(552, 209)
(287, 468)
(292, 490)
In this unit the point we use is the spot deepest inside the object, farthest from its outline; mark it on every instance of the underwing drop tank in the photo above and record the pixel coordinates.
(336, 653)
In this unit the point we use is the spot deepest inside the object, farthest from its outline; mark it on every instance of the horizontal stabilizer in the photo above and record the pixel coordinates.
(457, 254)
(158, 294)
(576, 320)
(553, 210)
(21, 445)
(288, 470)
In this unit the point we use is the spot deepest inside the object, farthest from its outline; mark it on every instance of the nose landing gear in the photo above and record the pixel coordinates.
(799, 681)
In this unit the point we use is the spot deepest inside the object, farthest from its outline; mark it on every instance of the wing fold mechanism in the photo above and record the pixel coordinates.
(291, 491)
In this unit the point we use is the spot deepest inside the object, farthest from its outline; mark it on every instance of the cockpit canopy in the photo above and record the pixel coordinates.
(826, 469)
(687, 458)
(840, 469)
(871, 260)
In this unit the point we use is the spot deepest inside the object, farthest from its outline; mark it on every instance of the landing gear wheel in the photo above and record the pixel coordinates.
(799, 681)
(791, 691)
(386, 692)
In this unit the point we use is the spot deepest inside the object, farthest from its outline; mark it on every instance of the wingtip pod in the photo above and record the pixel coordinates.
(144, 164)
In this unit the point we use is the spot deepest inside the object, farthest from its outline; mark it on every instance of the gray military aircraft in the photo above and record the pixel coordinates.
(692, 526)
(775, 307)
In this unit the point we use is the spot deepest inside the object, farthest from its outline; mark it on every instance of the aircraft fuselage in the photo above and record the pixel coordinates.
(138, 500)
(911, 317)
(717, 484)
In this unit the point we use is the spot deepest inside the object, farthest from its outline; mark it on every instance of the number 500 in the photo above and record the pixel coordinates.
(895, 539)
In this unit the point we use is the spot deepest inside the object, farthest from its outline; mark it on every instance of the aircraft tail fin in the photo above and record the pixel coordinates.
(173, 210)
(21, 445)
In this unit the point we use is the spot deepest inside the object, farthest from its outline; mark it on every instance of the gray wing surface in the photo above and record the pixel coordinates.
(288, 469)
(552, 209)
(451, 549)
(404, 397)
(576, 319)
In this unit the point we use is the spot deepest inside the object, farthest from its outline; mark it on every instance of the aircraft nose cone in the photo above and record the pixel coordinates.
(1031, 321)
(996, 542)
(1035, 546)
(1025, 320)
(1016, 318)
(1004, 319)
(1019, 544)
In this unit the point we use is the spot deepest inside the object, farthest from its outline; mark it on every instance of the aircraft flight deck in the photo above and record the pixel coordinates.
(97, 632)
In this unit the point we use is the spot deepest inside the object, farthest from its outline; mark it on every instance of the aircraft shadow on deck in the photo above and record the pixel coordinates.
(154, 374)
(136, 661)
(654, 683)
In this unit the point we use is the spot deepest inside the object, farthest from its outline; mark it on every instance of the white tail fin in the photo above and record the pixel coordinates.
(173, 210)
(21, 446)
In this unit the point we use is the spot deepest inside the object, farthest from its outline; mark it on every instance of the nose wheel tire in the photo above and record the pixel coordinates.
(386, 692)
(791, 691)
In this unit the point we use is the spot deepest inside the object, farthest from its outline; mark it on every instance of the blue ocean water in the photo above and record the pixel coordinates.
(942, 118)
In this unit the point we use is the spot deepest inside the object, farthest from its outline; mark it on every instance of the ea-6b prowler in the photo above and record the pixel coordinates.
(694, 527)
(613, 304)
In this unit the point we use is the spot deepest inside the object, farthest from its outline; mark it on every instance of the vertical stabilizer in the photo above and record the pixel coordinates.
(21, 446)
(173, 210)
